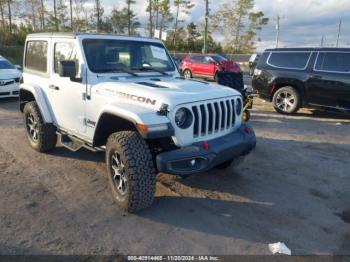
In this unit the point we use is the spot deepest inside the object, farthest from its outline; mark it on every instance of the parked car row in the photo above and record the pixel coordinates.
(10, 77)
(290, 78)
(207, 66)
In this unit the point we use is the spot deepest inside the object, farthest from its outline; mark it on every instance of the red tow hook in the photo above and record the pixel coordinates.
(206, 146)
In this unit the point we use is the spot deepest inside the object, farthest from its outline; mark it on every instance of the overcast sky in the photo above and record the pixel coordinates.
(303, 22)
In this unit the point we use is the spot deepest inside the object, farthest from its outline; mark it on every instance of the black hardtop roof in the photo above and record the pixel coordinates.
(315, 49)
(75, 34)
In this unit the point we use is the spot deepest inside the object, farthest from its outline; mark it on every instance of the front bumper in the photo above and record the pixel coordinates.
(11, 90)
(205, 155)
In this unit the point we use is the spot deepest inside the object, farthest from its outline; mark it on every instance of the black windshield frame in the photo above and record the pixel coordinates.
(92, 46)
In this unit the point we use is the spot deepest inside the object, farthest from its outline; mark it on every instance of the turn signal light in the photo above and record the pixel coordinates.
(142, 128)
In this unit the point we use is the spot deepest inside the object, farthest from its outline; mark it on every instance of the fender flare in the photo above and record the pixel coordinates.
(133, 115)
(40, 99)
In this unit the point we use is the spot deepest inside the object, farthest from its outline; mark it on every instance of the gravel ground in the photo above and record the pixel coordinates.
(293, 188)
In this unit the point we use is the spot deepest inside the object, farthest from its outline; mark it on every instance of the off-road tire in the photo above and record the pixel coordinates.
(290, 109)
(46, 137)
(139, 170)
(187, 71)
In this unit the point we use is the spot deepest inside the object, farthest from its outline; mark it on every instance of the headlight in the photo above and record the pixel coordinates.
(183, 118)
(238, 106)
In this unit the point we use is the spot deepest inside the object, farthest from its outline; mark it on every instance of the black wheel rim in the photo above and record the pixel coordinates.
(32, 127)
(119, 176)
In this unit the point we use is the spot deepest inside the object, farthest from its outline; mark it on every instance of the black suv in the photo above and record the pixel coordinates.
(295, 78)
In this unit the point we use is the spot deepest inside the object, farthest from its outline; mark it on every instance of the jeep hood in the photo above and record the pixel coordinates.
(153, 92)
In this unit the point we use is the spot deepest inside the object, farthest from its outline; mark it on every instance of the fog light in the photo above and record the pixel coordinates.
(193, 162)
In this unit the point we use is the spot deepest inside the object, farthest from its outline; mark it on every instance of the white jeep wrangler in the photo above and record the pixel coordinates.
(124, 95)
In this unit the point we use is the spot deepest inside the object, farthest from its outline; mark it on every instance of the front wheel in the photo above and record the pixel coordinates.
(131, 172)
(286, 100)
(187, 73)
(41, 136)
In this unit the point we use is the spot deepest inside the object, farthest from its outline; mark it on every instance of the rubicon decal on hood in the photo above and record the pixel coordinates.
(140, 99)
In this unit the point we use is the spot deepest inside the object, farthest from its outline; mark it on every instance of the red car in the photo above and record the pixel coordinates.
(207, 66)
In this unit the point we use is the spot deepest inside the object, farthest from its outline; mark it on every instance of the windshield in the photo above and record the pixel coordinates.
(107, 55)
(4, 64)
(218, 58)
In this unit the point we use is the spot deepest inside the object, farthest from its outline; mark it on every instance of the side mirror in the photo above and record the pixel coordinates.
(212, 62)
(67, 68)
(18, 67)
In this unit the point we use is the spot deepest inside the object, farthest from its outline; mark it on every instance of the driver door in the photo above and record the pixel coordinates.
(67, 95)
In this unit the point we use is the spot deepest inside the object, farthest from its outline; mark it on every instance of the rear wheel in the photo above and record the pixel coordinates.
(131, 172)
(187, 73)
(286, 100)
(42, 136)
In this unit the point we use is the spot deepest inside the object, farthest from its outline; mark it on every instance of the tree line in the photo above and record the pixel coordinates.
(236, 20)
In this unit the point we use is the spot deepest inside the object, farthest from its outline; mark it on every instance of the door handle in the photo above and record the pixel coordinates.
(54, 87)
(315, 77)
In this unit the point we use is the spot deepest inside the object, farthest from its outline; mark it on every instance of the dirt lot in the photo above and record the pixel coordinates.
(293, 188)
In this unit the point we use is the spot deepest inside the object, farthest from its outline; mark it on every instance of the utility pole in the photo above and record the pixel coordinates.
(205, 49)
(71, 14)
(278, 31)
(55, 14)
(10, 15)
(322, 41)
(339, 29)
(150, 19)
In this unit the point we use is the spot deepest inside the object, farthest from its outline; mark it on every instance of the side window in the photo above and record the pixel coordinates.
(198, 59)
(36, 56)
(333, 62)
(207, 59)
(292, 60)
(65, 51)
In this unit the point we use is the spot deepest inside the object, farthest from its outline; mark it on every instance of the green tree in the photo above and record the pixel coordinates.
(192, 37)
(124, 21)
(165, 16)
(130, 14)
(119, 20)
(98, 14)
(182, 7)
(256, 22)
(81, 18)
(2, 13)
(230, 20)
(9, 13)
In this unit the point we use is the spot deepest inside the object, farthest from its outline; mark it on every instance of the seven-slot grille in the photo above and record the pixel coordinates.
(213, 117)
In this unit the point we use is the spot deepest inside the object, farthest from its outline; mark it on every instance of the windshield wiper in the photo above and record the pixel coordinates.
(149, 68)
(117, 70)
